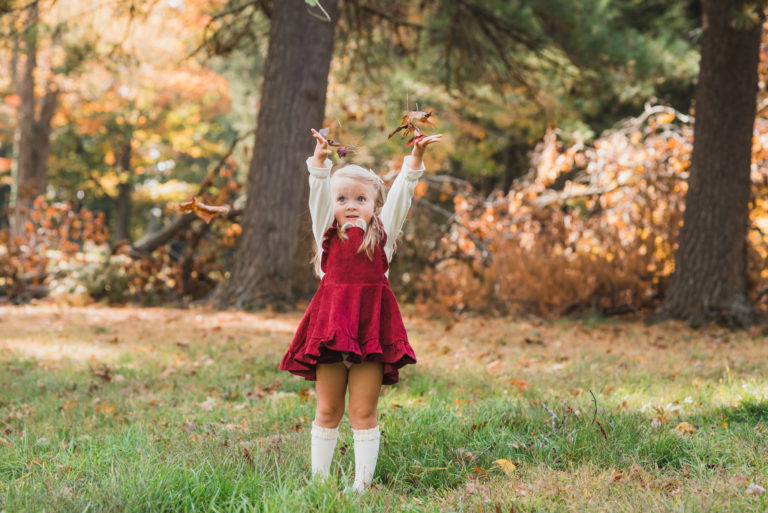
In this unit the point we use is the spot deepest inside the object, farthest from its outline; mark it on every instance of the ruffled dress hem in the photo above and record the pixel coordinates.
(329, 350)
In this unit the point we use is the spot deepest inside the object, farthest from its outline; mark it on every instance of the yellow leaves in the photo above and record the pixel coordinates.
(506, 466)
(109, 158)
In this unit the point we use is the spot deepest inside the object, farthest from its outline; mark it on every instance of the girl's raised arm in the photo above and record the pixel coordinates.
(399, 197)
(320, 205)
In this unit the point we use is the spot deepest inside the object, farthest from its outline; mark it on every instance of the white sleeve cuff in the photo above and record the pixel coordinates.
(409, 173)
(319, 172)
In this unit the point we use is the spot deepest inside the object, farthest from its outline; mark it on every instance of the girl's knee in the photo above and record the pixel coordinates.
(329, 414)
(363, 417)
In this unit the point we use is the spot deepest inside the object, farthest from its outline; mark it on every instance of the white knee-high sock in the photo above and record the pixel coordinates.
(323, 444)
(366, 454)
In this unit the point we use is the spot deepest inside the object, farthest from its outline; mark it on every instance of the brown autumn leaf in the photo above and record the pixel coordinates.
(203, 211)
(103, 371)
(408, 123)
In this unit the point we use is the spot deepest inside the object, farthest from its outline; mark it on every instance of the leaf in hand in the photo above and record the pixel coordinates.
(203, 211)
(342, 151)
(324, 132)
(408, 123)
(414, 140)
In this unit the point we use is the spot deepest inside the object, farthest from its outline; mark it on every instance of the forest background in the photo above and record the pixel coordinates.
(560, 186)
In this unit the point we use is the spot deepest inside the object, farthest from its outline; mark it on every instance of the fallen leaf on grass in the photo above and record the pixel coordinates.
(754, 489)
(494, 367)
(684, 428)
(507, 466)
(208, 404)
(521, 385)
(104, 407)
(103, 371)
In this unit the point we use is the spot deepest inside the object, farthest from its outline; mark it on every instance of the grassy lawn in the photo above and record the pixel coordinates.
(129, 409)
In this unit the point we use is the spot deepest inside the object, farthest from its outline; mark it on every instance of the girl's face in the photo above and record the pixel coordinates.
(352, 199)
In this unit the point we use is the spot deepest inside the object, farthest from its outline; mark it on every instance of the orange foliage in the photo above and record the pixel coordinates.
(24, 259)
(594, 227)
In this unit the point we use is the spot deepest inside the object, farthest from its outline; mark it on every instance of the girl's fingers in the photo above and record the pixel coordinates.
(319, 137)
(429, 139)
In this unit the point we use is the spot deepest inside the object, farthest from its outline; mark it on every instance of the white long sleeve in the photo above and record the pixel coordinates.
(398, 203)
(393, 213)
(320, 204)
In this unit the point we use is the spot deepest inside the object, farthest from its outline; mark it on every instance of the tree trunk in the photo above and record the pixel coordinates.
(710, 279)
(271, 264)
(123, 200)
(34, 132)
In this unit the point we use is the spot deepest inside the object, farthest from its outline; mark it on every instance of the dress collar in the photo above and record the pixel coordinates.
(359, 222)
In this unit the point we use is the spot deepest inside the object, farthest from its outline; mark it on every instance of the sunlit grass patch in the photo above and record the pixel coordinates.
(190, 413)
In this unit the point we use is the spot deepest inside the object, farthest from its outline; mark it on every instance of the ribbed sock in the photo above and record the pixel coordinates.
(366, 454)
(323, 444)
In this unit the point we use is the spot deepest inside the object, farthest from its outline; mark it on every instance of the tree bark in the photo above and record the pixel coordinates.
(34, 131)
(123, 200)
(710, 278)
(271, 264)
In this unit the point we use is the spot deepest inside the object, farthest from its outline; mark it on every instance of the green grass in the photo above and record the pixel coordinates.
(214, 426)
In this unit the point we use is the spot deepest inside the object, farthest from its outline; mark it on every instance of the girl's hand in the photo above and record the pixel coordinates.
(321, 149)
(419, 146)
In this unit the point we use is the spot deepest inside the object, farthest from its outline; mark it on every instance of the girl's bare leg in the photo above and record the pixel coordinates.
(364, 387)
(331, 386)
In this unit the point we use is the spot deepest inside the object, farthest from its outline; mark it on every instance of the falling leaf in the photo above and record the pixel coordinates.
(342, 151)
(507, 466)
(203, 211)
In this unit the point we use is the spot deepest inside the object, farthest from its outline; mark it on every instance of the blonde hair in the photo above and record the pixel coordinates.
(374, 232)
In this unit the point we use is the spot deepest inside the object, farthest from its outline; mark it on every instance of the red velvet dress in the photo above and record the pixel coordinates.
(354, 311)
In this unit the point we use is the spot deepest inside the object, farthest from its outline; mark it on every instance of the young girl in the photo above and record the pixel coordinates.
(352, 334)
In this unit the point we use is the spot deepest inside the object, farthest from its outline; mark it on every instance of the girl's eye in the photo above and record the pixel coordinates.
(341, 198)
(361, 198)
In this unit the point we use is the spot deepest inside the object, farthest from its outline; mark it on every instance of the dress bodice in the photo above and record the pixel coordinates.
(342, 263)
